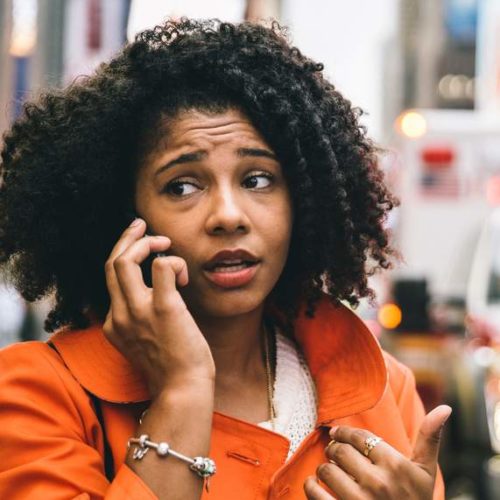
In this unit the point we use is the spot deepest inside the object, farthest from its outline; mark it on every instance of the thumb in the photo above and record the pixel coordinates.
(426, 449)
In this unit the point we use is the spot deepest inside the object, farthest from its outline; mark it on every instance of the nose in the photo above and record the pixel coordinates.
(227, 213)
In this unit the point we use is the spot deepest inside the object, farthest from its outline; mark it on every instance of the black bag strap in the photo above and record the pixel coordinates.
(109, 465)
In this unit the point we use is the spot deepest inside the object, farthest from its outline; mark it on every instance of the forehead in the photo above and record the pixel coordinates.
(206, 129)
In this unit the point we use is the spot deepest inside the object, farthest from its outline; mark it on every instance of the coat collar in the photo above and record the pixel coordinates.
(344, 358)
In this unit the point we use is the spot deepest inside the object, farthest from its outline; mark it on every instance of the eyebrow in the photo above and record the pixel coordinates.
(256, 153)
(184, 158)
(200, 155)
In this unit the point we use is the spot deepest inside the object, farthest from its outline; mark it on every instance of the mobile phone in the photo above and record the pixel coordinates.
(148, 261)
(146, 266)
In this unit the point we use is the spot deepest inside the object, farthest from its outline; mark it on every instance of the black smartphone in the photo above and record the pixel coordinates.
(148, 262)
(146, 266)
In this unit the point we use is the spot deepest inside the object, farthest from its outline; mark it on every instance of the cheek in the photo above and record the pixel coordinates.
(279, 229)
(184, 237)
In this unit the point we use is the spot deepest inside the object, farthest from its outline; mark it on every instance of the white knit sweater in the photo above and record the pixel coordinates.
(294, 398)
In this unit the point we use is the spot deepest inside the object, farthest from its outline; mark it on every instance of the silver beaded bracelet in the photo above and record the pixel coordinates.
(203, 466)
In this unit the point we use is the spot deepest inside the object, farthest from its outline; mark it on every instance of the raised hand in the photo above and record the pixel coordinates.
(152, 327)
(359, 469)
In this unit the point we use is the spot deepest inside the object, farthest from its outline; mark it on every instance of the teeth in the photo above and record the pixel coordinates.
(230, 269)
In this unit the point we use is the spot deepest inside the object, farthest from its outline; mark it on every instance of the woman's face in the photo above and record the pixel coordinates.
(213, 184)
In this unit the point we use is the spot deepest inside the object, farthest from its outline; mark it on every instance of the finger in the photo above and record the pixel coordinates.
(338, 481)
(425, 452)
(166, 273)
(107, 325)
(128, 270)
(381, 453)
(351, 461)
(314, 491)
(131, 234)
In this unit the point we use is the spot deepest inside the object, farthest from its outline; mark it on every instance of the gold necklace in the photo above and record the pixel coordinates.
(269, 378)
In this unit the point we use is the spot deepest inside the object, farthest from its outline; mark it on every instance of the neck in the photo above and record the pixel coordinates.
(236, 344)
(242, 382)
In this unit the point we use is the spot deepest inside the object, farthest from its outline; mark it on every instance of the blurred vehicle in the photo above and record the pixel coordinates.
(448, 179)
(441, 316)
(482, 356)
(447, 174)
(483, 294)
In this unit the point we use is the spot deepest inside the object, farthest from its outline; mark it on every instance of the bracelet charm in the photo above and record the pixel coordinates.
(202, 466)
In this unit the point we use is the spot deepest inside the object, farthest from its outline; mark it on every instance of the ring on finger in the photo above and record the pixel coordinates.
(370, 443)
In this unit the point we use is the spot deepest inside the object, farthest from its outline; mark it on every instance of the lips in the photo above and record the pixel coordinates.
(230, 260)
(231, 268)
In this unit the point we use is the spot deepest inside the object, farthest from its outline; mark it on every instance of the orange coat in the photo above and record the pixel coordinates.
(51, 443)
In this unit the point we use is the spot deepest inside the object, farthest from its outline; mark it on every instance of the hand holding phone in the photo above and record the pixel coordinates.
(152, 326)
(148, 262)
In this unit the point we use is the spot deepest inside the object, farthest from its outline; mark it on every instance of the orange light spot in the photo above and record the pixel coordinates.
(390, 316)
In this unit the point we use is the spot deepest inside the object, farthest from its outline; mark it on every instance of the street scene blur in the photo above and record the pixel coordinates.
(427, 74)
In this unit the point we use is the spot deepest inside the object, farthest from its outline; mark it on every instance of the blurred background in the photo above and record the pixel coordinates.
(427, 74)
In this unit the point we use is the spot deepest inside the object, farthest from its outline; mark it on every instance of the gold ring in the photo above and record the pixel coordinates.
(370, 443)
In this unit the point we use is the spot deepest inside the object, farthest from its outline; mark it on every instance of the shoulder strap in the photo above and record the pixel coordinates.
(109, 466)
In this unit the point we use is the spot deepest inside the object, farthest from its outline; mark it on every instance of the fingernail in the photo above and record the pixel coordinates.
(333, 430)
(450, 410)
(135, 222)
(330, 444)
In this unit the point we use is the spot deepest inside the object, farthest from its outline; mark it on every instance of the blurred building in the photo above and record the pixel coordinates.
(431, 62)
(438, 39)
(93, 31)
(488, 58)
(47, 43)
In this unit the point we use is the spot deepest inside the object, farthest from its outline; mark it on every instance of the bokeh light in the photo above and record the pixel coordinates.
(390, 316)
(412, 124)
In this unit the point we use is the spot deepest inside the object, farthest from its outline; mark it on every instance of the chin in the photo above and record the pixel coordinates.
(227, 304)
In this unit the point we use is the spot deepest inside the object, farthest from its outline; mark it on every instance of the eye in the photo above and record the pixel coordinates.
(258, 181)
(180, 188)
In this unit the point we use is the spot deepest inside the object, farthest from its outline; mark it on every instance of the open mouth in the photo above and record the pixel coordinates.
(232, 274)
(230, 266)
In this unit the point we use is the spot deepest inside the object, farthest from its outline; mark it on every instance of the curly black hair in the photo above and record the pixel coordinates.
(69, 163)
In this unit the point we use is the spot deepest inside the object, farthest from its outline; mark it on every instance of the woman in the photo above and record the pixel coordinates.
(252, 182)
